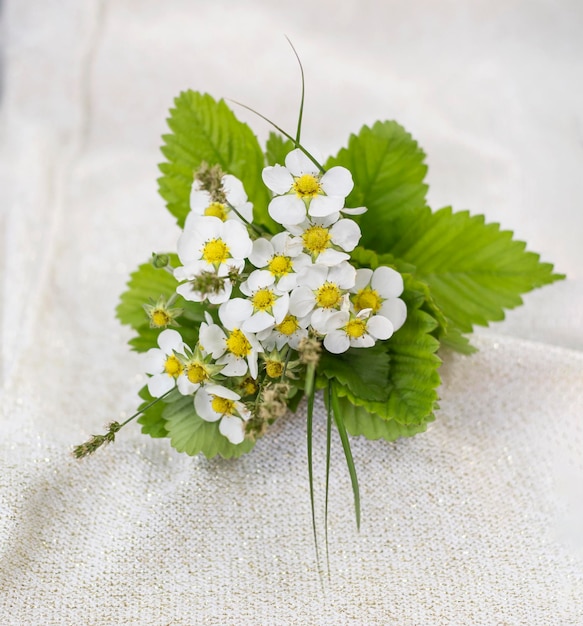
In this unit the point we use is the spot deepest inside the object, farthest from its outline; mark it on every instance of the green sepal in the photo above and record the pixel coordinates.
(277, 148)
(191, 434)
(206, 130)
(388, 170)
(148, 283)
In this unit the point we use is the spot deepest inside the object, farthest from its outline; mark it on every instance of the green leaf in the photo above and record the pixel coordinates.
(146, 284)
(277, 148)
(191, 434)
(363, 371)
(206, 130)
(388, 169)
(152, 422)
(359, 421)
(413, 369)
(474, 269)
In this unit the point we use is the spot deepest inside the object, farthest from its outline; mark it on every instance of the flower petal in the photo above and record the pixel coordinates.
(346, 234)
(154, 361)
(387, 281)
(233, 428)
(159, 384)
(331, 257)
(234, 312)
(234, 190)
(262, 252)
(287, 209)
(363, 276)
(395, 310)
(336, 342)
(257, 322)
(277, 178)
(170, 341)
(337, 181)
(203, 406)
(298, 163)
(379, 327)
(321, 206)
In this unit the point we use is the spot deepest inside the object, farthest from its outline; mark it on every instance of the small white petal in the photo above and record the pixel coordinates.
(262, 252)
(159, 384)
(331, 257)
(170, 341)
(280, 308)
(356, 211)
(324, 321)
(395, 310)
(336, 342)
(260, 279)
(299, 163)
(337, 181)
(301, 301)
(154, 361)
(388, 282)
(366, 341)
(313, 276)
(222, 295)
(234, 312)
(346, 234)
(185, 387)
(322, 206)
(234, 190)
(233, 365)
(233, 428)
(277, 178)
(257, 322)
(379, 327)
(343, 275)
(287, 209)
(363, 277)
(223, 392)
(203, 406)
(213, 339)
(237, 238)
(199, 201)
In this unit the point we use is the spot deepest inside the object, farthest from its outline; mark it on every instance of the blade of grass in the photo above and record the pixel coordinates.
(338, 420)
(328, 441)
(310, 393)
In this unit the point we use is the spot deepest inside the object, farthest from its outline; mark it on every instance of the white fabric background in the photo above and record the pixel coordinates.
(476, 522)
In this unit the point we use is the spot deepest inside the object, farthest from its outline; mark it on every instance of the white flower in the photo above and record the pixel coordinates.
(321, 288)
(201, 202)
(379, 291)
(209, 245)
(343, 330)
(282, 256)
(266, 304)
(290, 331)
(236, 350)
(300, 186)
(163, 364)
(326, 240)
(214, 402)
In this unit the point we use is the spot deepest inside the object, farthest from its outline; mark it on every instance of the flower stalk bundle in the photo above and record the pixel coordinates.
(293, 274)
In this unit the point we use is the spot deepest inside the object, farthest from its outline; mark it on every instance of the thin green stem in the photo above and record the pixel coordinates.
(151, 404)
(301, 113)
(310, 392)
(328, 446)
(298, 145)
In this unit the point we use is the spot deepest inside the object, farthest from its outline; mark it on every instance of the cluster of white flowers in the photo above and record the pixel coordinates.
(271, 292)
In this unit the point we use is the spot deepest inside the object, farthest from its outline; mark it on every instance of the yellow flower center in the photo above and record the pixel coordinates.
(173, 367)
(306, 186)
(238, 344)
(249, 386)
(288, 325)
(316, 239)
(355, 328)
(160, 318)
(215, 251)
(280, 265)
(367, 298)
(196, 373)
(274, 369)
(263, 299)
(222, 405)
(216, 209)
(328, 295)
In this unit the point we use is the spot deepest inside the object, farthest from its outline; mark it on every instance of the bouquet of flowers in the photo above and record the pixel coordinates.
(294, 274)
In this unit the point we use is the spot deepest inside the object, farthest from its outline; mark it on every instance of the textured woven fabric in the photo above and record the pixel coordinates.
(477, 521)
